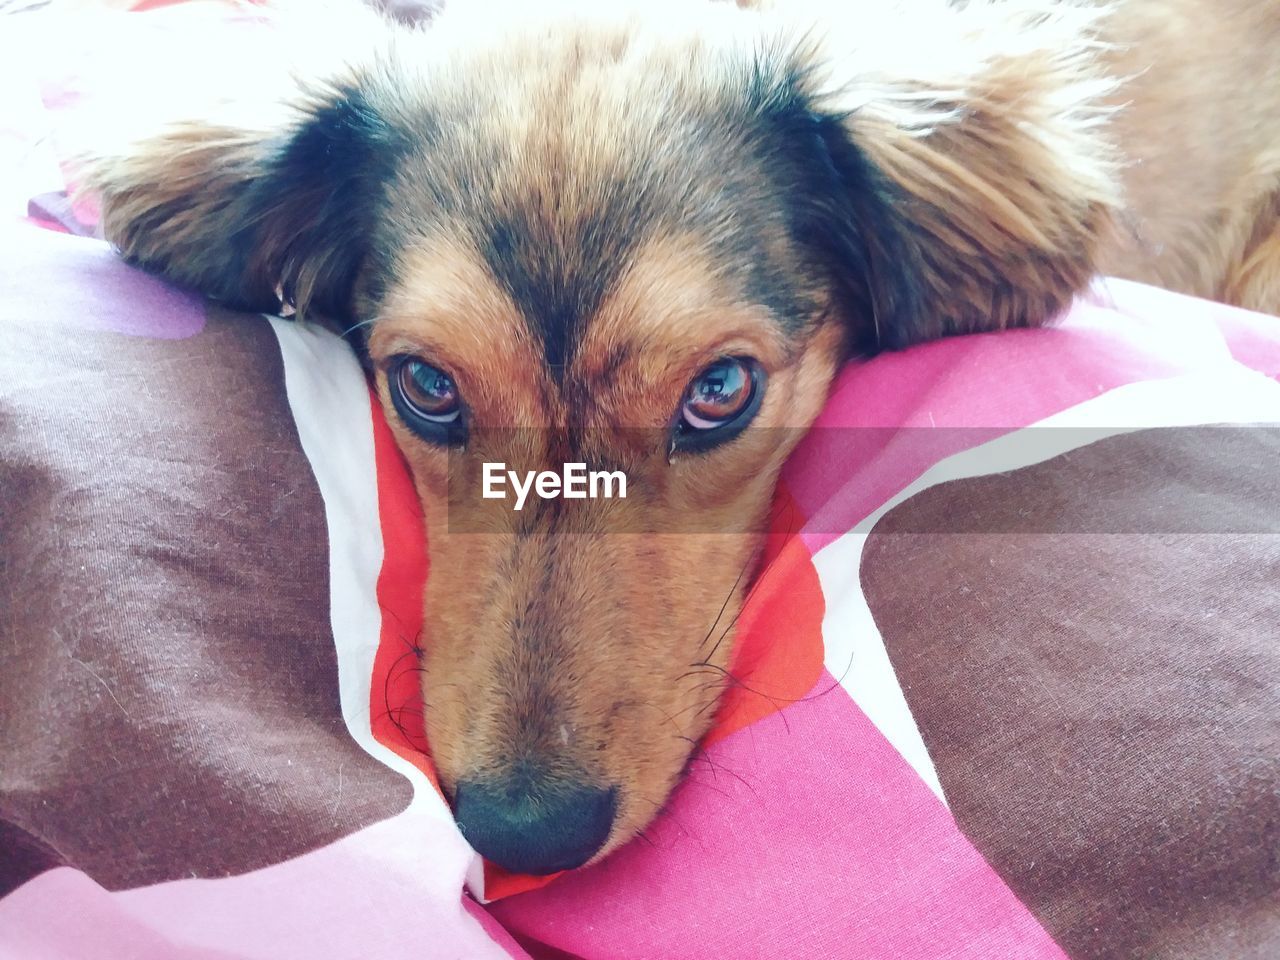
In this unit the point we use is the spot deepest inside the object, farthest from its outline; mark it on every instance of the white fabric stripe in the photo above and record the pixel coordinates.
(856, 656)
(329, 397)
(855, 651)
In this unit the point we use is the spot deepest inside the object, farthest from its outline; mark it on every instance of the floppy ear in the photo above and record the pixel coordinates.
(968, 184)
(256, 212)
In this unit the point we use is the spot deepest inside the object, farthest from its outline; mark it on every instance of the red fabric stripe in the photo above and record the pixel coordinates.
(395, 698)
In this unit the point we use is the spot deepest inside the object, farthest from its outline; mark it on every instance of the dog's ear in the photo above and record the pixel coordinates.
(957, 185)
(255, 211)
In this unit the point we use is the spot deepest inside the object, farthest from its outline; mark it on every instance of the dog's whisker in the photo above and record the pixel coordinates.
(700, 752)
(663, 810)
(369, 322)
(727, 600)
(751, 561)
(702, 784)
(791, 529)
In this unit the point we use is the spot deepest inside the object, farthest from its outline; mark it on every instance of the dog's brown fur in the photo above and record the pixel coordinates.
(574, 221)
(1200, 121)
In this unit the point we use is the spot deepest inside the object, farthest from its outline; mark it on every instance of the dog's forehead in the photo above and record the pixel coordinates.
(559, 170)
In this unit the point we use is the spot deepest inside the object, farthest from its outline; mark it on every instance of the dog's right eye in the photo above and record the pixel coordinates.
(426, 398)
(718, 404)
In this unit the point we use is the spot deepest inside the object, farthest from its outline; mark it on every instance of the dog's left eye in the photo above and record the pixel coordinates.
(718, 404)
(426, 399)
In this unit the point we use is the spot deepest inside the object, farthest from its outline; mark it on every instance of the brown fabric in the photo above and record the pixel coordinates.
(168, 682)
(1104, 707)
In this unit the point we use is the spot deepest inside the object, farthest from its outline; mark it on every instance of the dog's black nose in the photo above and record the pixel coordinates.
(531, 828)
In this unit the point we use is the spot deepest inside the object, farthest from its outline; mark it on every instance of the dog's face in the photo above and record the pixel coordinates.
(640, 250)
(575, 650)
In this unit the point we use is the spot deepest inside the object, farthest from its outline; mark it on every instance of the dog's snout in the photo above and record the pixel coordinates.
(532, 827)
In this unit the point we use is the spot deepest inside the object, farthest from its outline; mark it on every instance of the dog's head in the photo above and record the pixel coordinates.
(643, 242)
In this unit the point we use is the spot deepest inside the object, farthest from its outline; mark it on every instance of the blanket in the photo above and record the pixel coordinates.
(1011, 685)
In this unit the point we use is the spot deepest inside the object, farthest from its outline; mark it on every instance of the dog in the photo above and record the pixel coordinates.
(648, 236)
